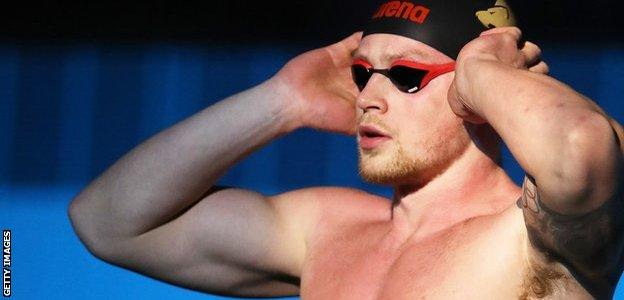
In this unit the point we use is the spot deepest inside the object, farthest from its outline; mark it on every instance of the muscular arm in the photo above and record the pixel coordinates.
(155, 211)
(152, 211)
(572, 151)
(589, 244)
(559, 137)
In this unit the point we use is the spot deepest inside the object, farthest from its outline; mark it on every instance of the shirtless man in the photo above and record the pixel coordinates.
(454, 229)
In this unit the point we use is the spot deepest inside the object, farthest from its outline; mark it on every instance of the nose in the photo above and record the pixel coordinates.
(372, 98)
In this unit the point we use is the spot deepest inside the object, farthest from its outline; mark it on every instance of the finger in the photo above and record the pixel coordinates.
(507, 35)
(347, 46)
(532, 53)
(342, 52)
(352, 41)
(514, 31)
(541, 67)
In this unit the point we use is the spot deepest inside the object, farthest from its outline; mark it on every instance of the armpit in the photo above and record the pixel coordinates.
(589, 245)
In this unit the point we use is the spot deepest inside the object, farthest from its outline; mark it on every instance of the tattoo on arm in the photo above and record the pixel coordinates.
(529, 200)
(590, 245)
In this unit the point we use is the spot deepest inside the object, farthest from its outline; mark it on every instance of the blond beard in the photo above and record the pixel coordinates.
(398, 168)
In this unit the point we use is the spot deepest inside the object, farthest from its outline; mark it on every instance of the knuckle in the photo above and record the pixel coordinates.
(535, 47)
(508, 38)
(538, 51)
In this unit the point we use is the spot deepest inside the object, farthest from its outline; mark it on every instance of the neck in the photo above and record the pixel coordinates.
(473, 185)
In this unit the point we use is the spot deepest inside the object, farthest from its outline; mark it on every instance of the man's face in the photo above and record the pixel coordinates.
(422, 135)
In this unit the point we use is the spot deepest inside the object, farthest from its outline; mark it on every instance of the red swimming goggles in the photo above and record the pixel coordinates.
(408, 76)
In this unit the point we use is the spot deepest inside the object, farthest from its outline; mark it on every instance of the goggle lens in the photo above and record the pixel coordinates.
(361, 75)
(408, 77)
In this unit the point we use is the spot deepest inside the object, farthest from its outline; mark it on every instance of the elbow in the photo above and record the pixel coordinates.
(590, 162)
(591, 147)
(85, 226)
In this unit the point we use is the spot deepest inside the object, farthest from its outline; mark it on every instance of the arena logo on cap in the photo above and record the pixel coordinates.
(403, 9)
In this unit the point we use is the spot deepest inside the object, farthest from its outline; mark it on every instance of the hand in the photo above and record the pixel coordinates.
(499, 45)
(319, 86)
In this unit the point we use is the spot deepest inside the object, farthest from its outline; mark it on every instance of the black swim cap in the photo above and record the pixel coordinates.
(446, 25)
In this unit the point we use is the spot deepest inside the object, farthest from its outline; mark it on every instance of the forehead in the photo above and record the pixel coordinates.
(383, 49)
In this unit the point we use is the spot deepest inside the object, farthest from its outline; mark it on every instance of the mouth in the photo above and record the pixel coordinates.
(371, 137)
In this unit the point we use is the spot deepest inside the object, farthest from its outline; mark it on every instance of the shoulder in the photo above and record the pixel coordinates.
(321, 201)
(307, 208)
(333, 196)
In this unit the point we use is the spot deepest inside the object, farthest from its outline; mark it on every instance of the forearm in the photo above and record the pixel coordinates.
(555, 133)
(172, 170)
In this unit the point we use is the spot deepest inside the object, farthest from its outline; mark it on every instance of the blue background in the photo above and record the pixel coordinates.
(69, 111)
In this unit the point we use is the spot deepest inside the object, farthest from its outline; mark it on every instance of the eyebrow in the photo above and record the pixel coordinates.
(388, 58)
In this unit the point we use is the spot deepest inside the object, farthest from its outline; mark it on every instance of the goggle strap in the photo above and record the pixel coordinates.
(436, 71)
(362, 63)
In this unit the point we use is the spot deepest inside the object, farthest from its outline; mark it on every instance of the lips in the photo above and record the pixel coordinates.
(371, 137)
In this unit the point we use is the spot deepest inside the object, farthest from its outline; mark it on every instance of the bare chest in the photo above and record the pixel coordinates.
(472, 261)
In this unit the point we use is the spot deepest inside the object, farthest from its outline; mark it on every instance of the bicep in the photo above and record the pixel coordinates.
(589, 244)
(232, 242)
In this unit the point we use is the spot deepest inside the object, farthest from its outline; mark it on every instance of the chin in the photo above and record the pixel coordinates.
(394, 166)
(389, 168)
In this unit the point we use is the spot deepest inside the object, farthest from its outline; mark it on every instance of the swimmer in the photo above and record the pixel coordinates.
(430, 92)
